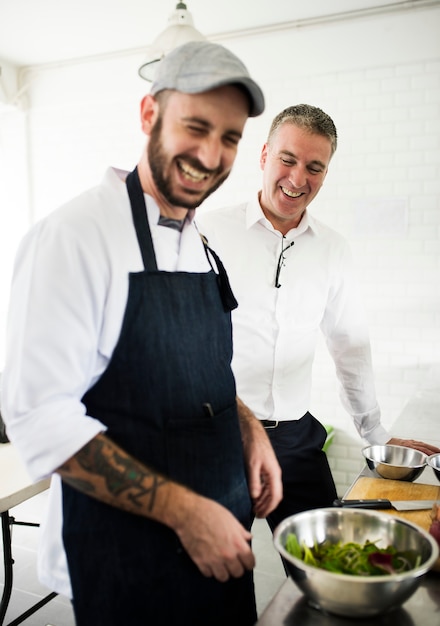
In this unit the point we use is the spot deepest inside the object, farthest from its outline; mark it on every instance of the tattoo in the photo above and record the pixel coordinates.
(120, 472)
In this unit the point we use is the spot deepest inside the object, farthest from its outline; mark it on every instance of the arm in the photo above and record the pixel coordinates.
(344, 326)
(426, 448)
(264, 472)
(346, 331)
(212, 536)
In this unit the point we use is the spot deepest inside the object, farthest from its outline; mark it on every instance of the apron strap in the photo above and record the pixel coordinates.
(140, 219)
(227, 295)
(143, 233)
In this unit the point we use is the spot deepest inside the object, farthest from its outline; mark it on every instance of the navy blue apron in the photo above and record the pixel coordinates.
(168, 398)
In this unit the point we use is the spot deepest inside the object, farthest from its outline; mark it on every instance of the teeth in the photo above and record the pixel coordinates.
(291, 194)
(191, 173)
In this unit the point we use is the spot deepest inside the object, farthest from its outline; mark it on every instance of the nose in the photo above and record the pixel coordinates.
(210, 152)
(298, 176)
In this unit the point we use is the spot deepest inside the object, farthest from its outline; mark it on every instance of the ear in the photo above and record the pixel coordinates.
(263, 156)
(149, 113)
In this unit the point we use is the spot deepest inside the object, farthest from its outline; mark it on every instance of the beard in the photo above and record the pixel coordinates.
(159, 161)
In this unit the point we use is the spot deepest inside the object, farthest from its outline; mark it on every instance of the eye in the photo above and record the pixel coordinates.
(287, 162)
(195, 129)
(231, 140)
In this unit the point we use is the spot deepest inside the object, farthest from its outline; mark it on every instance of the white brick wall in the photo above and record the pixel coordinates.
(379, 78)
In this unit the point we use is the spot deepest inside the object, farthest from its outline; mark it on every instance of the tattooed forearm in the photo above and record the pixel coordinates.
(151, 491)
(100, 458)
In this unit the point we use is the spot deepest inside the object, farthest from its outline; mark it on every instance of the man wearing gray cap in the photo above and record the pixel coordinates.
(118, 380)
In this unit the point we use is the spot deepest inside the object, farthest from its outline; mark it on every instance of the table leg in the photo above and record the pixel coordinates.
(8, 563)
(8, 568)
(35, 607)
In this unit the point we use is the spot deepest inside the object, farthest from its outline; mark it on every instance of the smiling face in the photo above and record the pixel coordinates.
(294, 164)
(193, 141)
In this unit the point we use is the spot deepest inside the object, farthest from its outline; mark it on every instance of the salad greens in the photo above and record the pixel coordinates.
(353, 558)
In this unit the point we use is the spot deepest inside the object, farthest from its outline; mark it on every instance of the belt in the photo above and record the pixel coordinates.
(269, 424)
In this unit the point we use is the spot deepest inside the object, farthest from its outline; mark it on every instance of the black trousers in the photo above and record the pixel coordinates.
(306, 475)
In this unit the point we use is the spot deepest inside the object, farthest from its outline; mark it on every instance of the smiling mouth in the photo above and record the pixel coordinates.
(191, 173)
(291, 194)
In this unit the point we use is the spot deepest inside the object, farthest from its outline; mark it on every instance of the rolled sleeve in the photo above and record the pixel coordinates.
(55, 296)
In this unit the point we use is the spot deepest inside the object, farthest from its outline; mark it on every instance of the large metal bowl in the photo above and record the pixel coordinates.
(395, 462)
(351, 595)
(434, 462)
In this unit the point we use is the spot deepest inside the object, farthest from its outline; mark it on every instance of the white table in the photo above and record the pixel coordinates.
(15, 487)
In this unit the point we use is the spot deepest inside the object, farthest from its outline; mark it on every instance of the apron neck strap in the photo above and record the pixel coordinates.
(140, 219)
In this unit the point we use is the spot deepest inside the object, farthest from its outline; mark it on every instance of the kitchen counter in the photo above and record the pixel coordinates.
(418, 420)
(290, 608)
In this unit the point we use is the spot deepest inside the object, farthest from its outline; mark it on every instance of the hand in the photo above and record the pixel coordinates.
(264, 472)
(426, 448)
(215, 540)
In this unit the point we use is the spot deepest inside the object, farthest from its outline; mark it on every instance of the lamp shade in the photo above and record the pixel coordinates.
(180, 30)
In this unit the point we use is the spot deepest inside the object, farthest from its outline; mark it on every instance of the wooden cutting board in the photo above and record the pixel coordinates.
(366, 487)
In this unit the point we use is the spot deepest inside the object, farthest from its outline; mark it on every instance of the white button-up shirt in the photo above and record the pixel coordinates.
(68, 300)
(275, 329)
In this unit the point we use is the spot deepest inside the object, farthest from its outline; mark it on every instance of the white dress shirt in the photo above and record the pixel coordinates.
(275, 329)
(68, 299)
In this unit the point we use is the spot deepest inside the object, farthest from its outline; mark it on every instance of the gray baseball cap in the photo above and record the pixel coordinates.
(200, 66)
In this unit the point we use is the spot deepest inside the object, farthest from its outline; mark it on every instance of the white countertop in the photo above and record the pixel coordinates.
(420, 418)
(16, 485)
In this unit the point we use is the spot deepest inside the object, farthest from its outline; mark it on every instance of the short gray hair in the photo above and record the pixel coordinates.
(309, 118)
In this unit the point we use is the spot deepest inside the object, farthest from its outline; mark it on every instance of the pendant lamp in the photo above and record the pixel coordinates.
(180, 30)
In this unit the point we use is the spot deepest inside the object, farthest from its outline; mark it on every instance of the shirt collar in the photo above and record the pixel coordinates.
(154, 212)
(254, 215)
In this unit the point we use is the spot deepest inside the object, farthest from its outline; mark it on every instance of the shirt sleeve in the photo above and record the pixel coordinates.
(57, 298)
(346, 332)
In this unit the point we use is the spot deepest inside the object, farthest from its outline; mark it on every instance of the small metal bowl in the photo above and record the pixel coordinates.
(434, 462)
(395, 462)
(351, 595)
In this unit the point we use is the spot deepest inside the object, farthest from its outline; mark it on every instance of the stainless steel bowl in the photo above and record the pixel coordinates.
(350, 595)
(434, 462)
(395, 462)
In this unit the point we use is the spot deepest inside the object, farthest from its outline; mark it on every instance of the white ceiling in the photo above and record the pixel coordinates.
(34, 32)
